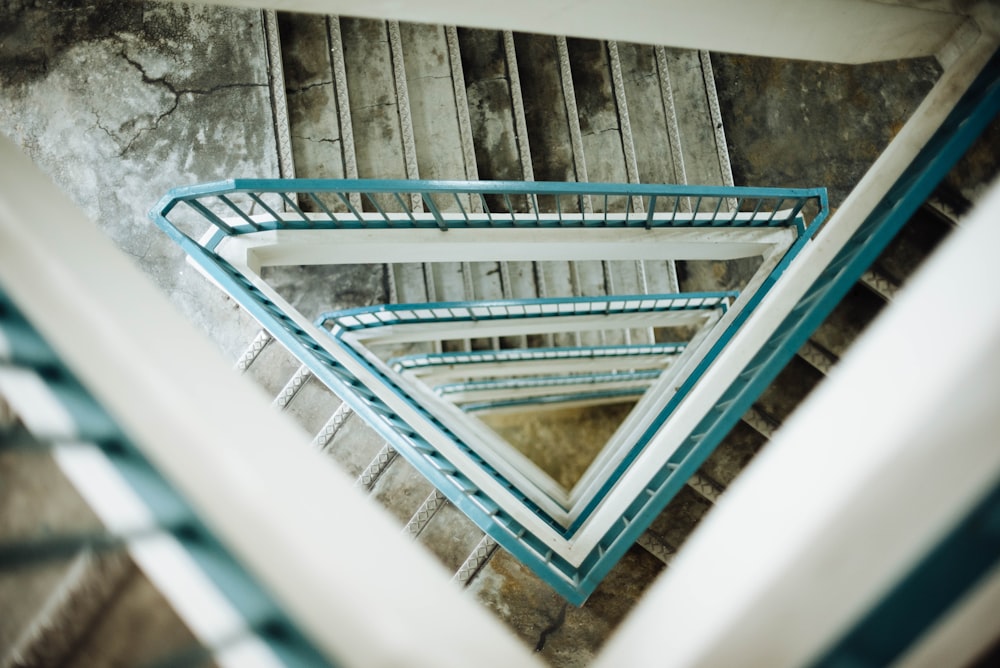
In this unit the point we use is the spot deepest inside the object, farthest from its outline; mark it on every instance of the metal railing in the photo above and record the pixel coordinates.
(172, 538)
(270, 204)
(477, 357)
(265, 205)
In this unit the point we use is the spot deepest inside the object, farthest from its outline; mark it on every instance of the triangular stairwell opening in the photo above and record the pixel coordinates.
(462, 390)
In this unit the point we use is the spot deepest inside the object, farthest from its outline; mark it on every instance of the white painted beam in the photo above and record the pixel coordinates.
(299, 247)
(212, 435)
(882, 461)
(846, 31)
(966, 63)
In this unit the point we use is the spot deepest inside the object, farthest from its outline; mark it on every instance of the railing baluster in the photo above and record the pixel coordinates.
(461, 208)
(295, 207)
(371, 198)
(774, 211)
(715, 213)
(697, 207)
(434, 210)
(239, 212)
(256, 198)
(207, 213)
(405, 208)
(510, 208)
(319, 203)
(486, 209)
(736, 210)
(350, 207)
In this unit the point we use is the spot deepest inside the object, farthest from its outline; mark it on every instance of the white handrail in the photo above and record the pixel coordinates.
(835, 511)
(363, 593)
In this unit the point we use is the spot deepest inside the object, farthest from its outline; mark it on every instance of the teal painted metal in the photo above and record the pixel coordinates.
(556, 399)
(370, 317)
(953, 568)
(977, 107)
(386, 315)
(170, 512)
(574, 583)
(331, 198)
(644, 377)
(431, 360)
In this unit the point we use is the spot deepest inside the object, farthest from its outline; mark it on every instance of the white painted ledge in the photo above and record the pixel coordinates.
(361, 591)
(845, 31)
(864, 479)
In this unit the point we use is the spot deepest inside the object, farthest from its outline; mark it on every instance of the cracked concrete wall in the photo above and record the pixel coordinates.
(119, 102)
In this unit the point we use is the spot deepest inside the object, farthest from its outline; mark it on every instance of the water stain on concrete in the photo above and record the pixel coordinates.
(806, 124)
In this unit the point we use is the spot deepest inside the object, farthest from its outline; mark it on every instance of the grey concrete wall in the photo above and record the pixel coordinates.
(119, 102)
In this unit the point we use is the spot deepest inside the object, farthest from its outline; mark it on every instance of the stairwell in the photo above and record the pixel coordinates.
(389, 100)
(371, 99)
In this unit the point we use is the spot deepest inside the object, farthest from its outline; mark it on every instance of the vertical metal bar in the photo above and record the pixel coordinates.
(370, 197)
(736, 209)
(256, 198)
(349, 203)
(239, 211)
(434, 210)
(756, 210)
(405, 207)
(295, 207)
(461, 207)
(715, 213)
(322, 206)
(210, 216)
(774, 212)
(510, 207)
(486, 209)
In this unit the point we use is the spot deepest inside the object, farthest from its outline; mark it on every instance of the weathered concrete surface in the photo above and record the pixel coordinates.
(309, 89)
(562, 442)
(804, 124)
(119, 102)
(561, 633)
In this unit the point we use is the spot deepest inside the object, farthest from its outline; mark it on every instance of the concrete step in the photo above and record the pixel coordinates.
(311, 94)
(419, 114)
